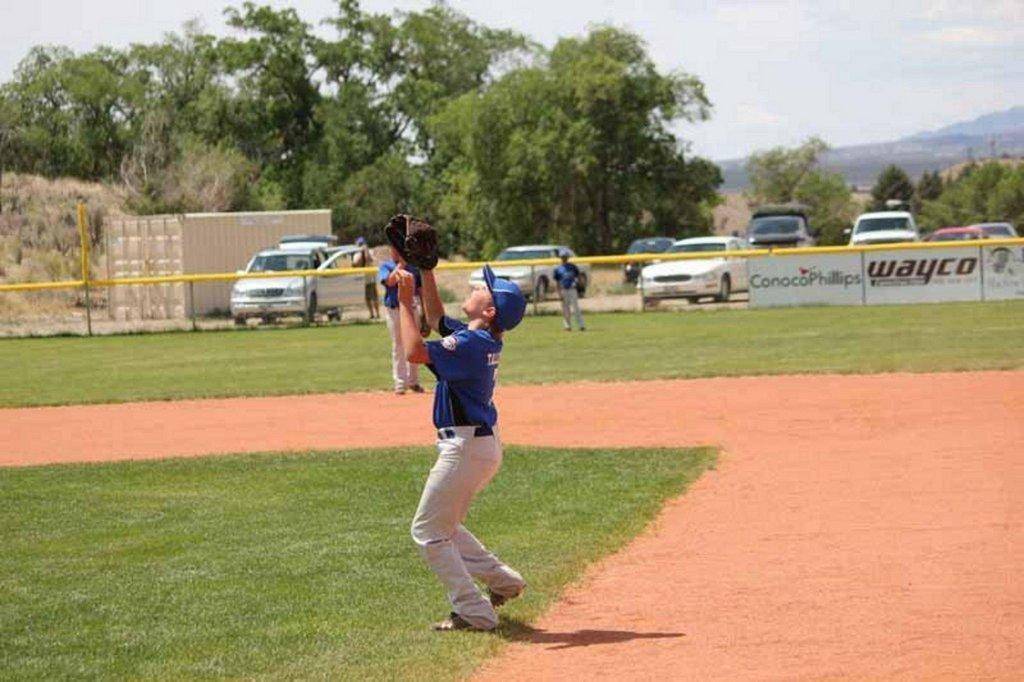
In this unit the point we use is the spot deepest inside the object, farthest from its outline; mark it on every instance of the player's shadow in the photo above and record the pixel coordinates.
(516, 631)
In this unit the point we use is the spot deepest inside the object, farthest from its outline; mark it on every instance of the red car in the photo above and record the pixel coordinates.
(956, 234)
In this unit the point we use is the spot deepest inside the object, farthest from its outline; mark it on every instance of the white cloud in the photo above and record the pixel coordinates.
(969, 10)
(976, 36)
(756, 115)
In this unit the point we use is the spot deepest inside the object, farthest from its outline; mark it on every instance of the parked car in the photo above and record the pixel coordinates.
(717, 276)
(539, 281)
(276, 297)
(884, 227)
(955, 234)
(997, 230)
(630, 271)
(785, 226)
(302, 242)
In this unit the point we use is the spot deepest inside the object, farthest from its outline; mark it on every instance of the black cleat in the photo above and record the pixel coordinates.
(455, 622)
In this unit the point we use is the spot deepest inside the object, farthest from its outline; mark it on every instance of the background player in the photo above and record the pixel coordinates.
(406, 375)
(568, 276)
(363, 259)
(465, 362)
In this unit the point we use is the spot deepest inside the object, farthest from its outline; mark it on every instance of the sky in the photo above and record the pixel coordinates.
(777, 71)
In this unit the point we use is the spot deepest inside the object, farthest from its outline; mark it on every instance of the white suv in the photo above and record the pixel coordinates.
(277, 297)
(884, 227)
(536, 282)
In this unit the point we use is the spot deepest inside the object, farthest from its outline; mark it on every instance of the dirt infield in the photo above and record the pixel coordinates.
(856, 526)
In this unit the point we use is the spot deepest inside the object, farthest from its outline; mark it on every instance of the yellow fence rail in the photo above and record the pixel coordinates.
(593, 260)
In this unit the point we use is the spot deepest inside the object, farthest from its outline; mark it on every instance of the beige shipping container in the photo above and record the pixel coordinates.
(193, 243)
(145, 247)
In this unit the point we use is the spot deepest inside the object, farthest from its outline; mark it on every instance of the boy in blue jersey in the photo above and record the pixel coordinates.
(404, 374)
(568, 277)
(465, 362)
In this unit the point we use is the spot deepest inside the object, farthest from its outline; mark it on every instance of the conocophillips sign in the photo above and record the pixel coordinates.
(826, 279)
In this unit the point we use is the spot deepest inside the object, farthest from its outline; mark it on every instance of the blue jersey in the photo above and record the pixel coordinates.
(391, 293)
(566, 275)
(465, 363)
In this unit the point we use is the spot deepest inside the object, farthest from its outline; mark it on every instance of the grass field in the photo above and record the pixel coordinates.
(290, 566)
(964, 336)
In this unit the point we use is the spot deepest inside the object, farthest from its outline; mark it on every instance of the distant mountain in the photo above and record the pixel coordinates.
(1009, 121)
(996, 134)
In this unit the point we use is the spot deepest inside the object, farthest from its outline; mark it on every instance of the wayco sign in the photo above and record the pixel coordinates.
(965, 273)
(925, 275)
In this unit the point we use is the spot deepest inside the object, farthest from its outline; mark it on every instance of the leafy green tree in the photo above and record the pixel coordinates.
(274, 108)
(376, 192)
(75, 113)
(832, 208)
(783, 175)
(929, 187)
(989, 192)
(8, 130)
(776, 174)
(576, 148)
(186, 83)
(892, 183)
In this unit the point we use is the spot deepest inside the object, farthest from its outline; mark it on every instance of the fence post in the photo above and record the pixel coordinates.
(192, 304)
(640, 285)
(863, 279)
(306, 316)
(536, 289)
(981, 270)
(83, 237)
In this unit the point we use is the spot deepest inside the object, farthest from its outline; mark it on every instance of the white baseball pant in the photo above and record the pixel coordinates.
(571, 306)
(405, 374)
(465, 465)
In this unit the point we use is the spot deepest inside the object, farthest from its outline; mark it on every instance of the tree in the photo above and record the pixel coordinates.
(892, 183)
(8, 126)
(377, 191)
(989, 192)
(782, 175)
(577, 148)
(776, 174)
(274, 109)
(929, 187)
(75, 113)
(832, 208)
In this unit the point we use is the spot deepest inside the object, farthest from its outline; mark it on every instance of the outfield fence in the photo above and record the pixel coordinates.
(991, 269)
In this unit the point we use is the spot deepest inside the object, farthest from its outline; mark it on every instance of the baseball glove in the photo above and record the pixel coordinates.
(415, 240)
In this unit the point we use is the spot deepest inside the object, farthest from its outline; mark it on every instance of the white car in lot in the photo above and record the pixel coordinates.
(276, 297)
(536, 282)
(884, 227)
(718, 276)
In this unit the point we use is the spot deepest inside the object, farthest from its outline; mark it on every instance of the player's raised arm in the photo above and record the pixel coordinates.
(412, 343)
(432, 306)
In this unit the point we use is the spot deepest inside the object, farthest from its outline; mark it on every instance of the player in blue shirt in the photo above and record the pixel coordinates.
(568, 277)
(406, 375)
(465, 362)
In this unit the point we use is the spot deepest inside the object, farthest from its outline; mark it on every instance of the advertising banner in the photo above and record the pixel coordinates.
(1003, 272)
(923, 276)
(814, 279)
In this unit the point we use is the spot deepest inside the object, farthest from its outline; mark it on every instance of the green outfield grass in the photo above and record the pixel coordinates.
(290, 565)
(962, 336)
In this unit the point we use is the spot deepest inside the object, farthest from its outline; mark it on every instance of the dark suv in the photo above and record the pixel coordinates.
(780, 226)
(630, 271)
